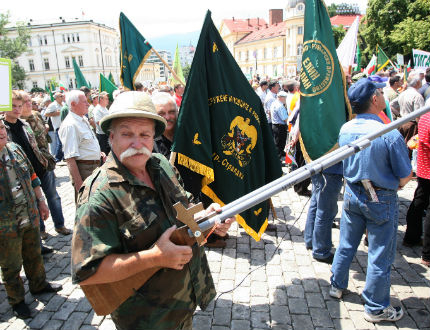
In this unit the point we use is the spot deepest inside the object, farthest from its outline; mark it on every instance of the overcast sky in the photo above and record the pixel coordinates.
(153, 18)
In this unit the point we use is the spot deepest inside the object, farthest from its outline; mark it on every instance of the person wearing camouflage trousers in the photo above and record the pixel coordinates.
(22, 203)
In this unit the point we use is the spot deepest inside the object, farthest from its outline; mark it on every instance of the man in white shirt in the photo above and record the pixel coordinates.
(81, 148)
(262, 90)
(53, 112)
(270, 98)
(99, 112)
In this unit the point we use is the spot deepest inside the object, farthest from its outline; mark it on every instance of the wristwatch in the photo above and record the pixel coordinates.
(41, 199)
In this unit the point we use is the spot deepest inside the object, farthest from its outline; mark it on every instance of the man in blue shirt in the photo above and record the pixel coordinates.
(372, 177)
(279, 115)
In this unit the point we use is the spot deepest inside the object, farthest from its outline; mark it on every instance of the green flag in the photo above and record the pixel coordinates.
(382, 59)
(111, 78)
(324, 106)
(134, 52)
(358, 58)
(80, 79)
(107, 86)
(49, 91)
(222, 131)
(177, 68)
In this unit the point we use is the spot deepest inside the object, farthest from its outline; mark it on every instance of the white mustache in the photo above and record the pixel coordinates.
(132, 151)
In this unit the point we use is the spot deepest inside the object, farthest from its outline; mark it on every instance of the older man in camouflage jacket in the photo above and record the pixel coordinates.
(124, 221)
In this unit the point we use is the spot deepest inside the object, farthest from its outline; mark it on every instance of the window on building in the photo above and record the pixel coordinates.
(81, 61)
(260, 54)
(300, 49)
(70, 83)
(46, 63)
(68, 38)
(29, 42)
(77, 37)
(300, 30)
(265, 53)
(40, 41)
(31, 64)
(35, 84)
(76, 83)
(73, 37)
(275, 52)
(64, 39)
(67, 60)
(45, 38)
(300, 7)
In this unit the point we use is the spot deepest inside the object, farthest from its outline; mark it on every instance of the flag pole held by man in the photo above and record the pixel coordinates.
(324, 107)
(222, 131)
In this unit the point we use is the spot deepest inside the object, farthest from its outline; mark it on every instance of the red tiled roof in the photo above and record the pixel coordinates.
(242, 25)
(345, 20)
(271, 31)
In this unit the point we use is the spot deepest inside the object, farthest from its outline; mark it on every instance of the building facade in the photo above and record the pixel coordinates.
(164, 73)
(186, 55)
(149, 72)
(53, 46)
(270, 49)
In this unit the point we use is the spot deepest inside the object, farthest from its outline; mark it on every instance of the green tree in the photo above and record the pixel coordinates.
(332, 10)
(396, 25)
(338, 34)
(12, 48)
(186, 71)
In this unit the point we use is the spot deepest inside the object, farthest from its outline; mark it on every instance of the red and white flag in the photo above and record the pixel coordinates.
(371, 66)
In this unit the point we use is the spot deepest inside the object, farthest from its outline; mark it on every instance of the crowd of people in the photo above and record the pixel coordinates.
(117, 147)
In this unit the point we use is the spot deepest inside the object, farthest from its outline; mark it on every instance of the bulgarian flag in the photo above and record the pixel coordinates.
(371, 66)
(407, 70)
(62, 87)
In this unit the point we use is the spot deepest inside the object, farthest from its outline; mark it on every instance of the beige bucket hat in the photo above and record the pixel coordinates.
(133, 104)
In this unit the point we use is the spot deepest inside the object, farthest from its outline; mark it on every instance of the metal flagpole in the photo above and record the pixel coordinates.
(265, 192)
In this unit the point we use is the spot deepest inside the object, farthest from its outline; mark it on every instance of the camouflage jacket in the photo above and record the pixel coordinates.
(32, 140)
(118, 213)
(37, 125)
(29, 180)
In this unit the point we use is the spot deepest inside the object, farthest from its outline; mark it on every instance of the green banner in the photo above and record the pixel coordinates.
(358, 58)
(80, 79)
(382, 59)
(134, 52)
(324, 106)
(111, 78)
(177, 68)
(222, 131)
(107, 86)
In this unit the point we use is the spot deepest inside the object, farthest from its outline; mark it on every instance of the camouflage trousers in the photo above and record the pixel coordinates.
(15, 252)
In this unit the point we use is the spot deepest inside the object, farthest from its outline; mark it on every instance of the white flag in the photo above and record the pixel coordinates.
(348, 46)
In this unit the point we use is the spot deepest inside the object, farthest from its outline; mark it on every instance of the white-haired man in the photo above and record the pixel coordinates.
(81, 148)
(409, 101)
(124, 221)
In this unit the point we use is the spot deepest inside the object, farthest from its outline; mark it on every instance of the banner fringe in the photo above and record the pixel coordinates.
(251, 232)
(197, 167)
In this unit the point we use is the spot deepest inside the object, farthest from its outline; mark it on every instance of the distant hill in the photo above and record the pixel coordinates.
(169, 42)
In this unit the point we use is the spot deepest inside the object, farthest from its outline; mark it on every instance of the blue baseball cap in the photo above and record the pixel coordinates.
(362, 90)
